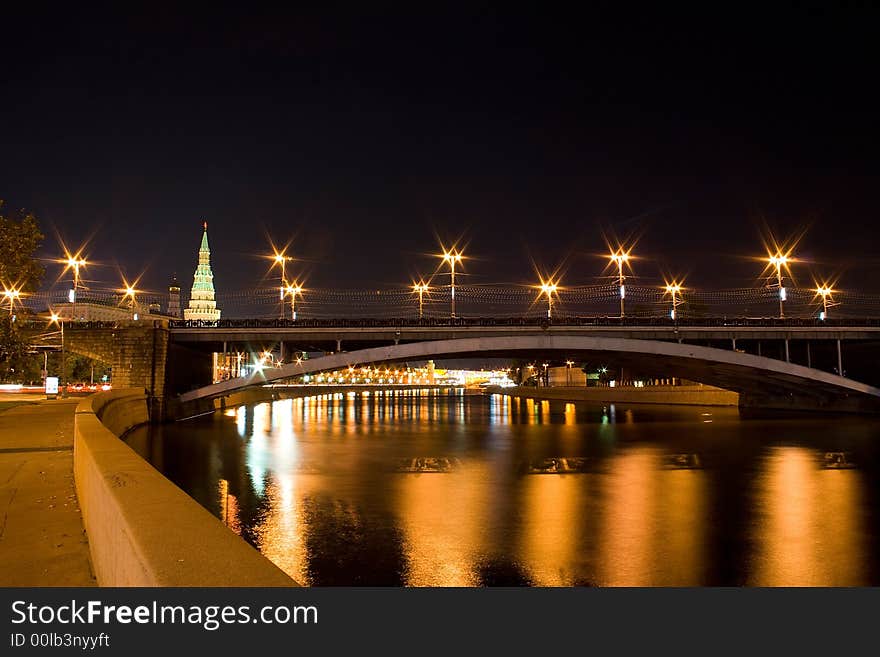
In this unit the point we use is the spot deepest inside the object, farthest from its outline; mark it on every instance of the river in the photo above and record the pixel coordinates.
(443, 488)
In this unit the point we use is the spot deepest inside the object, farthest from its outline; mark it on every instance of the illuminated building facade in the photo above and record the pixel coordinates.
(174, 297)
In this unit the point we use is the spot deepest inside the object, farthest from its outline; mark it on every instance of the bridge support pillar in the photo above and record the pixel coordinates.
(787, 359)
(338, 345)
(839, 359)
(809, 359)
(733, 342)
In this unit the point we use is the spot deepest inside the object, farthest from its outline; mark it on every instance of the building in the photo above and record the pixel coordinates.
(95, 311)
(201, 302)
(174, 297)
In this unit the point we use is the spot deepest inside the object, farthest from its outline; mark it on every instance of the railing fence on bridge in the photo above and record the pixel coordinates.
(506, 301)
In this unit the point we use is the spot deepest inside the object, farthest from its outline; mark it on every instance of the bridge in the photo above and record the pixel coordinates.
(760, 380)
(787, 363)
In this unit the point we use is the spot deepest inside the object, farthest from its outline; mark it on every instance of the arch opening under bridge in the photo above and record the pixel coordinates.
(760, 381)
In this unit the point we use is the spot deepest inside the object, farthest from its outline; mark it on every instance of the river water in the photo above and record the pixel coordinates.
(443, 488)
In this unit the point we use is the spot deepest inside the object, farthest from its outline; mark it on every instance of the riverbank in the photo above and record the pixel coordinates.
(42, 537)
(690, 395)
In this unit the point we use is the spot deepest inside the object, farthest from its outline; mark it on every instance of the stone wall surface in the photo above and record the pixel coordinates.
(143, 530)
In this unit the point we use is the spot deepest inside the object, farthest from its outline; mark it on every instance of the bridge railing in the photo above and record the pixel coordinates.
(469, 322)
(543, 322)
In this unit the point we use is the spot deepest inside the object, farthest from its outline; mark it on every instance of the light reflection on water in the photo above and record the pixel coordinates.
(425, 489)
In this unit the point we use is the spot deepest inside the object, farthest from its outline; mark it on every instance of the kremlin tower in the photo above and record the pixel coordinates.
(201, 302)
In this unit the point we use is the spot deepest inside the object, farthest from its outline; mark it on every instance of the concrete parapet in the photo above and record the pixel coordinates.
(142, 529)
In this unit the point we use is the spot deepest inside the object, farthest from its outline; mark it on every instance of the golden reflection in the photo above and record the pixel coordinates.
(627, 534)
(445, 526)
(281, 531)
(228, 507)
(552, 544)
(682, 518)
(570, 414)
(809, 530)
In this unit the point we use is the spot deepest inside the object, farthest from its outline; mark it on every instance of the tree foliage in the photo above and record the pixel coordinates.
(20, 237)
(13, 351)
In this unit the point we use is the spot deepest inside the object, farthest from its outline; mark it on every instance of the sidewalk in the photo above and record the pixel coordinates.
(42, 540)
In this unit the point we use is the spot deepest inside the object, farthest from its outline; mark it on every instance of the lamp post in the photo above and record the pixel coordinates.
(619, 259)
(75, 262)
(824, 291)
(549, 289)
(568, 365)
(421, 288)
(674, 289)
(281, 259)
(779, 261)
(130, 293)
(12, 294)
(293, 290)
(452, 257)
(56, 319)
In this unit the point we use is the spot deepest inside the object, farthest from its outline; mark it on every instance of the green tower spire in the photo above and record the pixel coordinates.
(201, 302)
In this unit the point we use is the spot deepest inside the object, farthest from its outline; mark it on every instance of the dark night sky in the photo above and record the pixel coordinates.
(362, 133)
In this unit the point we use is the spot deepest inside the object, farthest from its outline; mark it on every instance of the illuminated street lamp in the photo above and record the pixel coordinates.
(620, 258)
(824, 291)
(420, 288)
(75, 262)
(12, 294)
(56, 319)
(779, 261)
(281, 259)
(293, 290)
(549, 288)
(452, 257)
(130, 293)
(674, 289)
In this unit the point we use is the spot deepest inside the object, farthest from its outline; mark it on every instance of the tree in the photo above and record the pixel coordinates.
(13, 350)
(20, 237)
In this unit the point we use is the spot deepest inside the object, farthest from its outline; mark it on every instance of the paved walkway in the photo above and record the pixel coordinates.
(42, 539)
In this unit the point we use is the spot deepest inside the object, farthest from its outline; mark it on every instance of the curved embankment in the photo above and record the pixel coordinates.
(142, 529)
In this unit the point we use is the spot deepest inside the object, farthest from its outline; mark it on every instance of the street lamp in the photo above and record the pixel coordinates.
(281, 259)
(293, 290)
(620, 258)
(824, 291)
(568, 364)
(56, 319)
(75, 262)
(12, 294)
(452, 256)
(549, 288)
(779, 261)
(674, 289)
(421, 288)
(130, 293)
